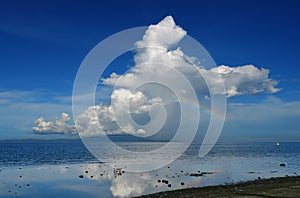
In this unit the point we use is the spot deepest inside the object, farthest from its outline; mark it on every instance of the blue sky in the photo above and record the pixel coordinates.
(43, 44)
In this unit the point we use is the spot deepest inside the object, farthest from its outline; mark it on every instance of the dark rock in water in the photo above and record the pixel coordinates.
(165, 181)
(67, 167)
(19, 186)
(201, 174)
(182, 183)
(101, 174)
(80, 176)
(158, 181)
(28, 185)
(169, 185)
(282, 164)
(20, 176)
(258, 177)
(123, 172)
(196, 174)
(92, 176)
(86, 171)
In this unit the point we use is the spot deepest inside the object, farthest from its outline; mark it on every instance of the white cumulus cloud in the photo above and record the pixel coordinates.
(59, 126)
(157, 56)
(101, 119)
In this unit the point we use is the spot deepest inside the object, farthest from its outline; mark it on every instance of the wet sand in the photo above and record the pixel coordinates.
(274, 187)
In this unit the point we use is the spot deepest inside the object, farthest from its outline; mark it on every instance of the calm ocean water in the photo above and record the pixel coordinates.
(42, 152)
(39, 152)
(50, 168)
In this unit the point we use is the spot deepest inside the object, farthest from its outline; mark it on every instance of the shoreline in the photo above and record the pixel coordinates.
(288, 186)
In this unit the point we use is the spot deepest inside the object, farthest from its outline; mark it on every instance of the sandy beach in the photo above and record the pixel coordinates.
(274, 187)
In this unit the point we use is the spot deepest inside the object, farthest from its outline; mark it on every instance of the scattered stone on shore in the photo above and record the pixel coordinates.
(86, 171)
(80, 176)
(282, 164)
(182, 183)
(92, 176)
(258, 177)
(273, 187)
(169, 185)
(101, 174)
(158, 181)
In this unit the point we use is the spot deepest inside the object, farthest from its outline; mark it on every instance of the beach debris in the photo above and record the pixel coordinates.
(80, 176)
(282, 164)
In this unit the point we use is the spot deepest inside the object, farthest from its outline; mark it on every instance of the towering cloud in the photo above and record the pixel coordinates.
(157, 54)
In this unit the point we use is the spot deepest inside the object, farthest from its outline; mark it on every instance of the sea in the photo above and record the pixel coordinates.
(52, 168)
